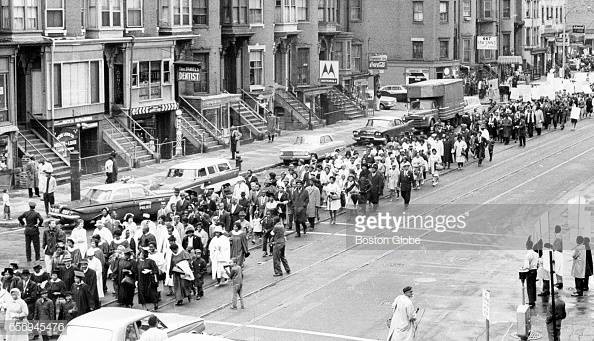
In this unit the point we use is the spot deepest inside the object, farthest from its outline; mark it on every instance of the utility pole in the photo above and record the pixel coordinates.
(552, 294)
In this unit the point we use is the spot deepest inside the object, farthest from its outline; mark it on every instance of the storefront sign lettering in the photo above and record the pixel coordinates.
(189, 74)
(379, 62)
(75, 120)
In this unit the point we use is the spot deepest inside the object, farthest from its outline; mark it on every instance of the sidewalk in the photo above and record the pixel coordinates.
(257, 156)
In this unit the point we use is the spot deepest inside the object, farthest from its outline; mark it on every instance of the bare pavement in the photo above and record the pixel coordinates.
(341, 290)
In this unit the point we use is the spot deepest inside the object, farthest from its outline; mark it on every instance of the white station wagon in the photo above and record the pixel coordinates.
(307, 147)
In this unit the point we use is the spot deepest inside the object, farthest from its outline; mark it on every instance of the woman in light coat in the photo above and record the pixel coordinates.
(332, 190)
(16, 311)
(220, 255)
(79, 236)
(458, 152)
(578, 269)
(392, 179)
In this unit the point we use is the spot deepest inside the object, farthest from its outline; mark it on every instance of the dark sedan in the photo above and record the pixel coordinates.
(380, 129)
(121, 197)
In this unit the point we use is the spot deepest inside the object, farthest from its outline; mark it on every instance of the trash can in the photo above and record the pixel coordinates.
(238, 162)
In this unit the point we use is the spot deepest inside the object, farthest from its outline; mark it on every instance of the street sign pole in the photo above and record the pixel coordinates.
(551, 272)
(487, 309)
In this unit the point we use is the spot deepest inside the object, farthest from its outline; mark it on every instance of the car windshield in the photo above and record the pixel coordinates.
(420, 105)
(75, 333)
(378, 123)
(304, 140)
(98, 195)
(181, 173)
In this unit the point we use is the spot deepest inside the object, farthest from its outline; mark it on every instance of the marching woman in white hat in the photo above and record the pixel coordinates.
(220, 255)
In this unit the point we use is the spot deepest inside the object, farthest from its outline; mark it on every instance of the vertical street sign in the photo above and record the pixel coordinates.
(487, 308)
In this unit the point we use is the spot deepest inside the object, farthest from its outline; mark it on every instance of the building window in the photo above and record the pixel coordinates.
(443, 11)
(256, 67)
(202, 84)
(444, 47)
(200, 12)
(357, 57)
(111, 13)
(487, 8)
(466, 9)
(24, 15)
(54, 14)
(235, 12)
(134, 13)
(356, 13)
(506, 9)
(181, 12)
(487, 55)
(327, 10)
(303, 65)
(338, 54)
(528, 34)
(149, 76)
(256, 11)
(77, 84)
(417, 50)
(417, 11)
(467, 49)
(302, 10)
(3, 97)
(506, 44)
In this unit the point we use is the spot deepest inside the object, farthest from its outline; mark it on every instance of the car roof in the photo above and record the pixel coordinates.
(200, 163)
(435, 82)
(381, 119)
(314, 136)
(108, 317)
(110, 187)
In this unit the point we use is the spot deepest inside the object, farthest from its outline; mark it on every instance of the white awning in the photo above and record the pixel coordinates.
(509, 60)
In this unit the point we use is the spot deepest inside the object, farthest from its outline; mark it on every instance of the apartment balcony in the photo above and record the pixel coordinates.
(234, 21)
(285, 21)
(486, 20)
(237, 30)
(329, 27)
(20, 22)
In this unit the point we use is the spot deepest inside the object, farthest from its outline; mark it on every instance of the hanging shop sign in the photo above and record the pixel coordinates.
(188, 73)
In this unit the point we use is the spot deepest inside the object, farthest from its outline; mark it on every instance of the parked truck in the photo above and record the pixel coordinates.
(433, 101)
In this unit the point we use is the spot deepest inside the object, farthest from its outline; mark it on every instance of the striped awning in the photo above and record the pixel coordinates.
(509, 60)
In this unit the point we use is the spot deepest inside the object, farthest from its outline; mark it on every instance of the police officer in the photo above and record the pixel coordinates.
(31, 220)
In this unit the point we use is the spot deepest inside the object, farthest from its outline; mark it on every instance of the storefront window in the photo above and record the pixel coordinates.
(202, 84)
(149, 77)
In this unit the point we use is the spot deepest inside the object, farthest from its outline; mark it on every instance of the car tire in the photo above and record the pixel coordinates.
(382, 107)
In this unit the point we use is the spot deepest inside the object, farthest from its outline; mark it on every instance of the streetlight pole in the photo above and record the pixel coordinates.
(564, 38)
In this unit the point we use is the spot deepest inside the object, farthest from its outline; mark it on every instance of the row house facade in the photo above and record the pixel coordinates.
(416, 36)
(501, 19)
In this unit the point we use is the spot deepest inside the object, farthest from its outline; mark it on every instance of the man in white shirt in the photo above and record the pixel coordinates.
(153, 333)
(48, 189)
(530, 265)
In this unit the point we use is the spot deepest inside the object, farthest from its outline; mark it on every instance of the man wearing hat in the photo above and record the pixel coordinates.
(402, 324)
(44, 309)
(240, 187)
(10, 281)
(191, 241)
(406, 182)
(111, 169)
(31, 220)
(59, 257)
(39, 275)
(81, 294)
(48, 190)
(299, 202)
(51, 236)
(30, 292)
(554, 329)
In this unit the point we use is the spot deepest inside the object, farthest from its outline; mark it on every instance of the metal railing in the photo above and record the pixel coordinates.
(29, 143)
(309, 110)
(56, 145)
(242, 104)
(131, 158)
(342, 97)
(294, 112)
(171, 146)
(185, 125)
(257, 105)
(206, 124)
(136, 128)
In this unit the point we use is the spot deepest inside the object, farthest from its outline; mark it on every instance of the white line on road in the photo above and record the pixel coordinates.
(290, 330)
(536, 177)
(12, 231)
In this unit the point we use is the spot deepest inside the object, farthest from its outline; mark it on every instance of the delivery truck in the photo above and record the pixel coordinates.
(434, 101)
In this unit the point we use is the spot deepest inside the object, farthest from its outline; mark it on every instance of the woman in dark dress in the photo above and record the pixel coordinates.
(125, 274)
(147, 280)
(589, 265)
(448, 145)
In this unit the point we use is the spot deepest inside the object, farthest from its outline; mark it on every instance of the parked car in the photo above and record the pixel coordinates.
(123, 197)
(124, 324)
(380, 129)
(315, 146)
(198, 175)
(386, 102)
(397, 91)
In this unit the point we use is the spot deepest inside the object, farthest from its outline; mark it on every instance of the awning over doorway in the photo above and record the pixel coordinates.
(509, 60)
(8, 128)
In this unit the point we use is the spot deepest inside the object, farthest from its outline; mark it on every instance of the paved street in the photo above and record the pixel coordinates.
(339, 290)
(342, 291)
